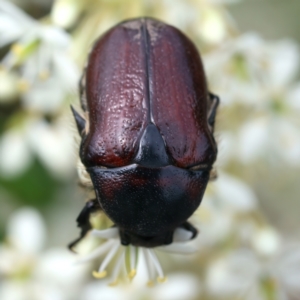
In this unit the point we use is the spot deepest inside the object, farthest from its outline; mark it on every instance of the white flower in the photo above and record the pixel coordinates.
(173, 12)
(259, 75)
(234, 194)
(245, 274)
(287, 270)
(26, 231)
(266, 241)
(180, 286)
(233, 275)
(40, 52)
(112, 248)
(52, 143)
(64, 13)
(213, 25)
(293, 96)
(8, 92)
(221, 215)
(269, 138)
(215, 224)
(27, 270)
(10, 30)
(15, 155)
(47, 77)
(249, 70)
(25, 238)
(266, 137)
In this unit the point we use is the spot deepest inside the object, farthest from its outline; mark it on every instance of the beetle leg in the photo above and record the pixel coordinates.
(212, 110)
(83, 220)
(80, 121)
(189, 227)
(125, 238)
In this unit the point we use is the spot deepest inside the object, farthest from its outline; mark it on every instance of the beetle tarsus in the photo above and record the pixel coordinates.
(83, 220)
(189, 227)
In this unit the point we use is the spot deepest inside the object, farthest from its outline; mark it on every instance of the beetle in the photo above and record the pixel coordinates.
(147, 136)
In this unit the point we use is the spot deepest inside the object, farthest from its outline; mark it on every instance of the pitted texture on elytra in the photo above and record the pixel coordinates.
(116, 98)
(144, 71)
(179, 96)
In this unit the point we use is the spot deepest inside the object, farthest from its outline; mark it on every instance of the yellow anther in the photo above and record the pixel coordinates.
(150, 283)
(99, 275)
(23, 85)
(43, 75)
(161, 279)
(17, 49)
(114, 283)
(132, 273)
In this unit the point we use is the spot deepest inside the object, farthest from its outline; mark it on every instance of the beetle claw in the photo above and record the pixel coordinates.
(189, 227)
(72, 244)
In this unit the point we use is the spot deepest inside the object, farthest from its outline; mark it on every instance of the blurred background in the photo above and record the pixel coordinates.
(248, 246)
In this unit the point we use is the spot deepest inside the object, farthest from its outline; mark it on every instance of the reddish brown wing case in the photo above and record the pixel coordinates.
(144, 71)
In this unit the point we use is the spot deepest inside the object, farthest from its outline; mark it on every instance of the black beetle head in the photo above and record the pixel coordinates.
(148, 204)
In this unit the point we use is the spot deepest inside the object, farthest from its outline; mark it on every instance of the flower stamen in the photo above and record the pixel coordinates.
(161, 278)
(130, 255)
(102, 272)
(99, 275)
(97, 252)
(150, 268)
(117, 268)
(132, 271)
(17, 49)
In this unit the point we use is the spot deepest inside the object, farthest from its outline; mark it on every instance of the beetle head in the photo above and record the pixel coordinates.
(147, 204)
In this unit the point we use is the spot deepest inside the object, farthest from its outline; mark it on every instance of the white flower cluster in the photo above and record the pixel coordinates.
(248, 258)
(37, 69)
(259, 76)
(28, 271)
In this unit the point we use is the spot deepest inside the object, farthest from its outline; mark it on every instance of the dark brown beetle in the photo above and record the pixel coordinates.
(148, 143)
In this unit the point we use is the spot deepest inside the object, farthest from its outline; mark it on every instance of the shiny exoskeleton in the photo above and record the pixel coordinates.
(147, 135)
